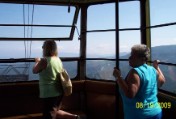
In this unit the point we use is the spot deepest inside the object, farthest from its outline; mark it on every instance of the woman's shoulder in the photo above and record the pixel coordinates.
(58, 60)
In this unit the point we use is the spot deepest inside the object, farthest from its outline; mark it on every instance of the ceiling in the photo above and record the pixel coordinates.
(66, 2)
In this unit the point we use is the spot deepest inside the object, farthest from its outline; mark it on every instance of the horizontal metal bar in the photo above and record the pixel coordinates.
(36, 25)
(13, 60)
(132, 29)
(163, 63)
(162, 25)
(99, 59)
(33, 39)
(109, 30)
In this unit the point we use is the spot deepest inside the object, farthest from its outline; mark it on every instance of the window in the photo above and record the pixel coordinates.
(129, 17)
(55, 20)
(43, 15)
(163, 39)
(101, 44)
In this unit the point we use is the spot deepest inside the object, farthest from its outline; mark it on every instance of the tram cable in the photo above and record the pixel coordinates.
(27, 45)
(24, 27)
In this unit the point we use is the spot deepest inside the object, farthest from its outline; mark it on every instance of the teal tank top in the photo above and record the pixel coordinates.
(145, 104)
(48, 85)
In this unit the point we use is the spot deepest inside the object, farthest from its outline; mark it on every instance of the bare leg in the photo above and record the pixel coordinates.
(60, 114)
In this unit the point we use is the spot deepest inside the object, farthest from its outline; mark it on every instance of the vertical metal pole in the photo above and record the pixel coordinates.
(117, 32)
(145, 22)
(117, 56)
(82, 62)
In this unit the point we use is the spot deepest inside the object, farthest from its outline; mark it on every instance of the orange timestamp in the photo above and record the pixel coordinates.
(141, 105)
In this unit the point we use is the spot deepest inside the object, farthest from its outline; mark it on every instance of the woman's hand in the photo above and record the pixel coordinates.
(155, 64)
(116, 73)
(37, 60)
(161, 78)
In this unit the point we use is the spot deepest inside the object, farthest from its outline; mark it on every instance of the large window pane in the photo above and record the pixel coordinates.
(37, 15)
(170, 74)
(127, 40)
(163, 39)
(163, 47)
(101, 17)
(129, 15)
(164, 36)
(101, 45)
(14, 72)
(100, 69)
(162, 11)
(57, 15)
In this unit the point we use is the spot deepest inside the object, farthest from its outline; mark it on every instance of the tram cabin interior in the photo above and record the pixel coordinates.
(93, 37)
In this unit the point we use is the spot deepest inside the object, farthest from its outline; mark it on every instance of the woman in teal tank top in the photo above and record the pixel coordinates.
(50, 88)
(140, 87)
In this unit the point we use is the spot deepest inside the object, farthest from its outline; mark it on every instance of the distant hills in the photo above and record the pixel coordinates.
(102, 69)
(165, 53)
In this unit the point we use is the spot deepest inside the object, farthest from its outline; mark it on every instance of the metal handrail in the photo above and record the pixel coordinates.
(13, 60)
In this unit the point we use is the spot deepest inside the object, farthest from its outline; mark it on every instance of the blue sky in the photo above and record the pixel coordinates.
(99, 17)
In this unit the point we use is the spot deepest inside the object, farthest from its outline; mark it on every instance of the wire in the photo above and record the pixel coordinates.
(31, 29)
(31, 36)
(27, 45)
(24, 28)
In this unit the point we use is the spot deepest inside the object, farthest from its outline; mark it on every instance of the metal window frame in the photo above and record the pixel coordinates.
(70, 37)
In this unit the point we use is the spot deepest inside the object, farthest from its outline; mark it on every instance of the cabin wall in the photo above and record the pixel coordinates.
(168, 105)
(19, 99)
(100, 99)
(90, 99)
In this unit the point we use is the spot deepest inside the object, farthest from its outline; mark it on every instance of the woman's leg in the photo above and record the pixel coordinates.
(49, 104)
(60, 114)
(56, 113)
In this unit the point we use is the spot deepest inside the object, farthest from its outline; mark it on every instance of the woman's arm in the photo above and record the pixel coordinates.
(40, 64)
(130, 86)
(161, 78)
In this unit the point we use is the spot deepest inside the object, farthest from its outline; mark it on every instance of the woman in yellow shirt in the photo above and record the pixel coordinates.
(50, 88)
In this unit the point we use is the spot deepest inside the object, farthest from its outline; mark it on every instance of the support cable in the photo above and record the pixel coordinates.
(24, 28)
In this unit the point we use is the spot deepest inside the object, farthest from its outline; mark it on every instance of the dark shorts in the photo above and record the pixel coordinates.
(49, 104)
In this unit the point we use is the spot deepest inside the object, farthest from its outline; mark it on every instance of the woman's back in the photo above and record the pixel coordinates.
(145, 103)
(48, 83)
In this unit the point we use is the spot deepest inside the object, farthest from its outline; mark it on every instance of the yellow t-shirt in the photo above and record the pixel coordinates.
(49, 86)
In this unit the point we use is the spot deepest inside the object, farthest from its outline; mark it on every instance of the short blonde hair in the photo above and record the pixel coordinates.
(49, 48)
(141, 50)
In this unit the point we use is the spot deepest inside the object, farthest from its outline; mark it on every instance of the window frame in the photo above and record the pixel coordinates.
(70, 37)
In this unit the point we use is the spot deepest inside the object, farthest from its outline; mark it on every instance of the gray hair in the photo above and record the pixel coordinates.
(141, 50)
